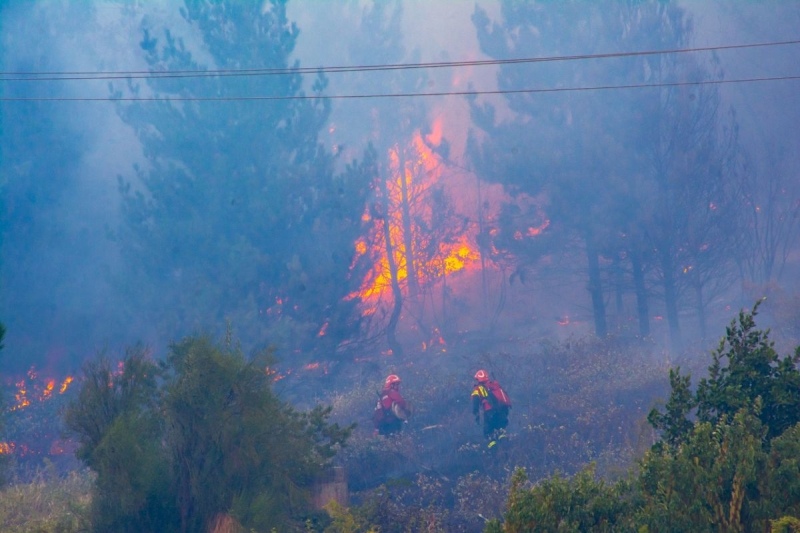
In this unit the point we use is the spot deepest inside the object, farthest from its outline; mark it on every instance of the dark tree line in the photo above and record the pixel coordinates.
(644, 183)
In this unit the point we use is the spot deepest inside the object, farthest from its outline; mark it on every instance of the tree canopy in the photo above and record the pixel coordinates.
(238, 213)
(633, 178)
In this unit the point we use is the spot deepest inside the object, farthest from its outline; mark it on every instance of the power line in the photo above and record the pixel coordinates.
(400, 95)
(395, 95)
(141, 74)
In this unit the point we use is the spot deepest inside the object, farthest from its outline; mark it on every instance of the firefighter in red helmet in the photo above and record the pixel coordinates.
(490, 400)
(392, 410)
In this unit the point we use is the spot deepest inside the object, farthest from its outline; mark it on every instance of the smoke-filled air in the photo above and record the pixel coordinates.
(362, 265)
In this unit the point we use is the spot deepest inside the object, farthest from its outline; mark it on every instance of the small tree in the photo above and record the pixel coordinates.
(115, 419)
(745, 367)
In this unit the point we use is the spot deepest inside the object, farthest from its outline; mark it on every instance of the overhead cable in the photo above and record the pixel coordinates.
(133, 74)
(392, 95)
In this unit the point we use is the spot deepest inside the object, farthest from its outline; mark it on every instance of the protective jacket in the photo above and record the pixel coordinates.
(390, 412)
(490, 399)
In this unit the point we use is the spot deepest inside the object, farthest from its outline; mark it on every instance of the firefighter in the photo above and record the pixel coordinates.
(392, 410)
(489, 399)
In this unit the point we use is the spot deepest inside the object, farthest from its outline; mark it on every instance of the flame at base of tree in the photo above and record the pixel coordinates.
(420, 258)
(413, 224)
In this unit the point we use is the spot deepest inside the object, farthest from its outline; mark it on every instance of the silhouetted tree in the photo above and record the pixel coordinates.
(238, 212)
(626, 172)
(771, 215)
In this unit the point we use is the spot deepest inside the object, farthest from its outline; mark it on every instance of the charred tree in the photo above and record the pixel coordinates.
(397, 292)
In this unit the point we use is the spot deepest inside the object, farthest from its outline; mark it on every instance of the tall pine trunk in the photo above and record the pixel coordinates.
(640, 289)
(671, 300)
(397, 293)
(595, 288)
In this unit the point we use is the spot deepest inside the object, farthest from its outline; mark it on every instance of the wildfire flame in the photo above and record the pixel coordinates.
(410, 209)
(42, 391)
(29, 390)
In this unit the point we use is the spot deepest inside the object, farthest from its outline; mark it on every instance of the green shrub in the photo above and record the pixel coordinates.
(177, 445)
(48, 504)
(727, 459)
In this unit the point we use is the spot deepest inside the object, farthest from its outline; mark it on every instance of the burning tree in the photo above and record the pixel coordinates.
(415, 239)
(417, 235)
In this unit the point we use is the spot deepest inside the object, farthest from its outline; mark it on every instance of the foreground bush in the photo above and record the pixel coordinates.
(47, 504)
(727, 459)
(176, 445)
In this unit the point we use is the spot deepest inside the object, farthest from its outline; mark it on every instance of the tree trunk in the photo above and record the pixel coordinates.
(641, 293)
(397, 293)
(408, 236)
(701, 309)
(595, 288)
(671, 300)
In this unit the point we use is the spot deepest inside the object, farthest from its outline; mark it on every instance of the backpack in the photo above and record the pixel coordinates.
(384, 413)
(378, 415)
(498, 397)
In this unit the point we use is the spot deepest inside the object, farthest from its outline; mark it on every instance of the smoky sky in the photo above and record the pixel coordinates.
(57, 301)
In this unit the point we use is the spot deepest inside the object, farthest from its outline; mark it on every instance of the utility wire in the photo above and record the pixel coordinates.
(395, 95)
(112, 75)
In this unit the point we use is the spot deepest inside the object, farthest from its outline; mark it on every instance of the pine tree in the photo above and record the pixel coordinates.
(238, 213)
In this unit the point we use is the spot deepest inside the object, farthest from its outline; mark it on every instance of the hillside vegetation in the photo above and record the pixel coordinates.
(587, 451)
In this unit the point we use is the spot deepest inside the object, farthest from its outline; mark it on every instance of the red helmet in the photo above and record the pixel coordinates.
(391, 379)
(481, 376)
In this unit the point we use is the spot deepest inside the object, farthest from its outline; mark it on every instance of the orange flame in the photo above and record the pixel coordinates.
(65, 385)
(42, 390)
(410, 214)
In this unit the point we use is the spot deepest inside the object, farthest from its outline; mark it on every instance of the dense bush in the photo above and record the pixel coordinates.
(726, 460)
(176, 445)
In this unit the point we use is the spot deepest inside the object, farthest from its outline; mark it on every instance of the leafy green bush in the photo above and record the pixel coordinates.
(176, 445)
(727, 459)
(577, 504)
(744, 367)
